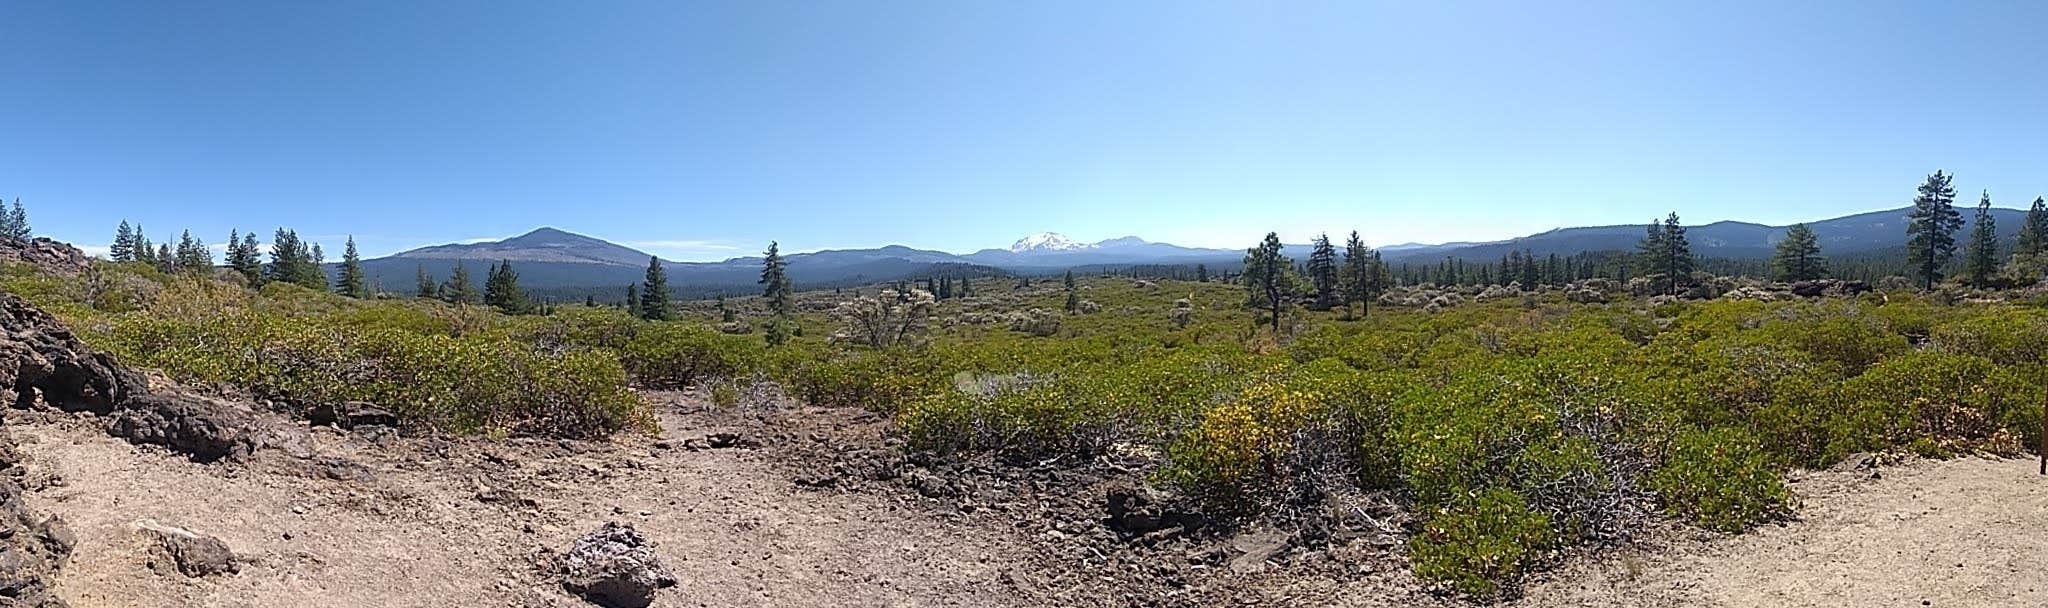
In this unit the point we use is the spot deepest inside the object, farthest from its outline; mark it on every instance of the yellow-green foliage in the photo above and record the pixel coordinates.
(1480, 540)
(1722, 479)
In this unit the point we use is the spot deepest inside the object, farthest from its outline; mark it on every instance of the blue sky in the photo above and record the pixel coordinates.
(703, 130)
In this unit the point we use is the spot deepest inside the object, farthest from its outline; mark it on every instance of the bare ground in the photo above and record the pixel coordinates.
(380, 520)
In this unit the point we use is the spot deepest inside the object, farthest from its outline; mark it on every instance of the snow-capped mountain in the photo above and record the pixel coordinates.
(1047, 241)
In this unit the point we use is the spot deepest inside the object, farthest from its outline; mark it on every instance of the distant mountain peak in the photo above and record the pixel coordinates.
(540, 245)
(1128, 241)
(1047, 241)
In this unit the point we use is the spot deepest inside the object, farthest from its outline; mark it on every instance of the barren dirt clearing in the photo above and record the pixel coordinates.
(428, 523)
(1963, 532)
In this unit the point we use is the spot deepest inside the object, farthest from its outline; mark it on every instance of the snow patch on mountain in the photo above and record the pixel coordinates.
(1047, 241)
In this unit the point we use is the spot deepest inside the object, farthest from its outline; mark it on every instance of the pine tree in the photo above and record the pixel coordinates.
(2034, 229)
(966, 286)
(1359, 278)
(1980, 261)
(123, 249)
(425, 288)
(775, 288)
(1322, 271)
(1201, 273)
(501, 290)
(1650, 252)
(15, 224)
(1265, 277)
(1798, 257)
(1678, 262)
(589, 300)
(1932, 226)
(315, 272)
(459, 289)
(287, 261)
(351, 283)
(250, 263)
(193, 255)
(1073, 293)
(632, 299)
(144, 251)
(166, 262)
(654, 292)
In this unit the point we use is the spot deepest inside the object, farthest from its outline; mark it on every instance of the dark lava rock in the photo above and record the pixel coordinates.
(193, 554)
(41, 361)
(203, 429)
(351, 414)
(615, 567)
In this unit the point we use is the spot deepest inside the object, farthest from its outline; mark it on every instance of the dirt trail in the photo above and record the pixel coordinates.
(1963, 532)
(439, 523)
(429, 522)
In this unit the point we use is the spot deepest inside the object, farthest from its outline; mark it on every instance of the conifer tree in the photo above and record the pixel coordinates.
(1980, 260)
(1650, 252)
(15, 224)
(1073, 293)
(286, 258)
(166, 262)
(425, 288)
(1265, 277)
(351, 283)
(1322, 271)
(459, 289)
(632, 298)
(123, 249)
(589, 300)
(501, 290)
(1798, 257)
(1201, 273)
(250, 263)
(316, 268)
(145, 252)
(2033, 236)
(1359, 278)
(1932, 226)
(966, 286)
(193, 255)
(654, 292)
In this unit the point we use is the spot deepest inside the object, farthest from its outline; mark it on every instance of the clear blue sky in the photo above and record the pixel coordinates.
(699, 130)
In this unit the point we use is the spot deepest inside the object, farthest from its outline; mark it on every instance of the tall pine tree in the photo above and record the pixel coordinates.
(1265, 277)
(352, 283)
(193, 256)
(654, 292)
(1322, 271)
(1360, 280)
(1980, 259)
(1073, 293)
(501, 290)
(1932, 226)
(2033, 237)
(123, 249)
(775, 289)
(1798, 257)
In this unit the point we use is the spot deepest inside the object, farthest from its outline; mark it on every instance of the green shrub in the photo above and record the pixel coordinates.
(674, 354)
(1962, 403)
(1478, 541)
(1721, 479)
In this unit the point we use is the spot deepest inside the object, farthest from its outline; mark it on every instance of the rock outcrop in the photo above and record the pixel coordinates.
(53, 256)
(615, 567)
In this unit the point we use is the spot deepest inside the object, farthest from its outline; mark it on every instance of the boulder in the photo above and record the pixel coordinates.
(190, 553)
(203, 429)
(614, 567)
(49, 255)
(42, 362)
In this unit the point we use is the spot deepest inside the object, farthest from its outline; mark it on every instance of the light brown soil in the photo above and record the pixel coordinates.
(430, 522)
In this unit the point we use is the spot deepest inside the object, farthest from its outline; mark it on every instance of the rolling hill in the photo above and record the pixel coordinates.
(553, 259)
